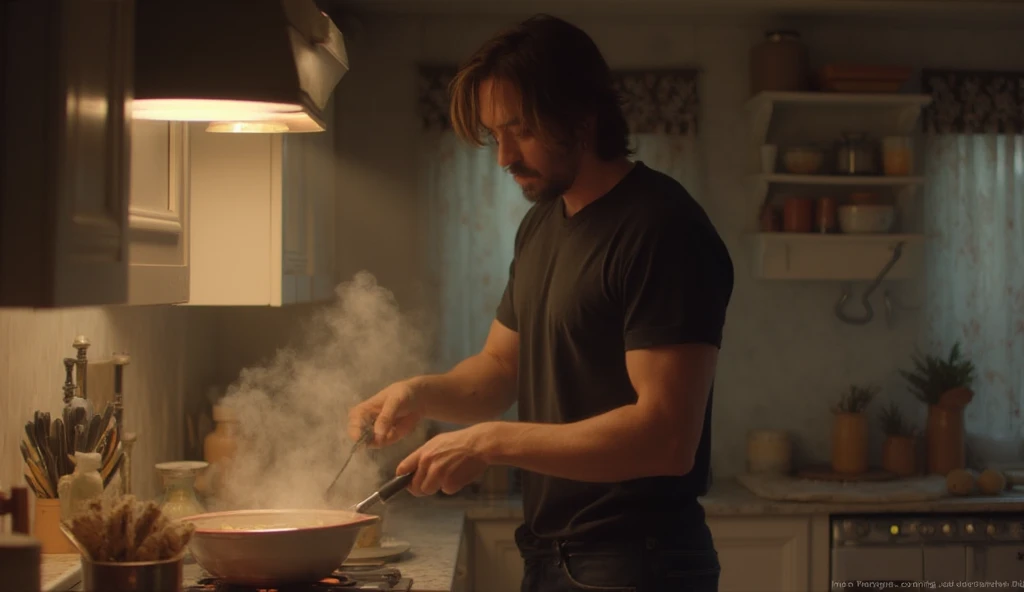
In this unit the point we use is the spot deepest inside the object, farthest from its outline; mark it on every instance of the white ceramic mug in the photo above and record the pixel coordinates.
(769, 452)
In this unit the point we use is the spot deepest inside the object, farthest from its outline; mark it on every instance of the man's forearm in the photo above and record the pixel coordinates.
(478, 389)
(622, 444)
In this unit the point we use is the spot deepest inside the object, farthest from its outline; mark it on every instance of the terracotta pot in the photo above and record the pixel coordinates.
(945, 436)
(797, 214)
(899, 455)
(850, 443)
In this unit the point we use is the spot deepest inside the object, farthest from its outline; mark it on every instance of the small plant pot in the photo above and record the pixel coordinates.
(850, 443)
(899, 455)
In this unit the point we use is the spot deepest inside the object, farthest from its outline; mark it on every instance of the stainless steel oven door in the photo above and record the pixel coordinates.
(1000, 562)
(948, 567)
(854, 567)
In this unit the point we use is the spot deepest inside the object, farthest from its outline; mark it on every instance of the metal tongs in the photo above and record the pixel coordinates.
(365, 437)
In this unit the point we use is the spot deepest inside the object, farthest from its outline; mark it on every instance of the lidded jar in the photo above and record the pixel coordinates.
(779, 63)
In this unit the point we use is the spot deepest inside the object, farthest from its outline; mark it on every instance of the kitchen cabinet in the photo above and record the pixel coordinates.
(66, 69)
(496, 565)
(461, 581)
(262, 217)
(785, 119)
(756, 553)
(772, 553)
(158, 219)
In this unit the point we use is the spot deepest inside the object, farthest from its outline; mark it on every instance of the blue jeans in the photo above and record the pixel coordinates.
(677, 564)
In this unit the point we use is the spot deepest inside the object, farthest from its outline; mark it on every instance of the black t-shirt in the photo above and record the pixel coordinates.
(639, 267)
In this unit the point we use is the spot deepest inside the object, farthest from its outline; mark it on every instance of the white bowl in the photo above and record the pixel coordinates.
(866, 219)
(271, 548)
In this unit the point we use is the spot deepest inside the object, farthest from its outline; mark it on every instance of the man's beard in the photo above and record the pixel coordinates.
(542, 190)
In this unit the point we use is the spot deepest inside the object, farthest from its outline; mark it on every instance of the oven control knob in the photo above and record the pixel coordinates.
(947, 528)
(969, 528)
(990, 530)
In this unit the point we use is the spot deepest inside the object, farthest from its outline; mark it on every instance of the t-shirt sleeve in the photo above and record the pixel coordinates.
(506, 313)
(676, 286)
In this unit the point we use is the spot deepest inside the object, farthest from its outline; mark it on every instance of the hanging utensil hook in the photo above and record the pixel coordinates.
(865, 299)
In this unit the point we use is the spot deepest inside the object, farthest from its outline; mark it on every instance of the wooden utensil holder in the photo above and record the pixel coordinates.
(46, 528)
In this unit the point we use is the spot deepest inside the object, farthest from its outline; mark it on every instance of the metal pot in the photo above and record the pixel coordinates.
(856, 155)
(142, 576)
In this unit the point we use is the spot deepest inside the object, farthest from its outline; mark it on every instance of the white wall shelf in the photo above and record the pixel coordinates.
(907, 186)
(836, 257)
(897, 112)
(844, 180)
(821, 118)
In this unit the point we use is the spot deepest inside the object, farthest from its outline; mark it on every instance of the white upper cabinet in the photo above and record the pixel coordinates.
(262, 217)
(65, 72)
(158, 214)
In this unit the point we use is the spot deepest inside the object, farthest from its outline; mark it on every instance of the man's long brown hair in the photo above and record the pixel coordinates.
(563, 82)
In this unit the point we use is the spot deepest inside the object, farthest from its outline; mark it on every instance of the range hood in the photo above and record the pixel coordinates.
(265, 66)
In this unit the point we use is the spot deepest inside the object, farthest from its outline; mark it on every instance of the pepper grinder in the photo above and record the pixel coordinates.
(127, 442)
(127, 438)
(69, 384)
(81, 364)
(120, 361)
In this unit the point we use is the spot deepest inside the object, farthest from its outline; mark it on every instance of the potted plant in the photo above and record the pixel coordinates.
(899, 455)
(850, 430)
(944, 386)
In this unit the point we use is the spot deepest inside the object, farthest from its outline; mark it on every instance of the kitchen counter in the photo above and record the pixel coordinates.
(60, 571)
(434, 527)
(730, 498)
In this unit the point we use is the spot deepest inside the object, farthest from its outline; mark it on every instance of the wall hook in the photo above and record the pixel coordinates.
(865, 300)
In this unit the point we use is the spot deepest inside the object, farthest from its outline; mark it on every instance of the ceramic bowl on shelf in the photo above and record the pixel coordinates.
(803, 160)
(866, 219)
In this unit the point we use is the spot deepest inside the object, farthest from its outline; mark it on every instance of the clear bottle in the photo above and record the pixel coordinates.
(82, 486)
(179, 479)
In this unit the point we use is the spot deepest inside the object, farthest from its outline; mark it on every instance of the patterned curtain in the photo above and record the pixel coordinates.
(974, 210)
(472, 208)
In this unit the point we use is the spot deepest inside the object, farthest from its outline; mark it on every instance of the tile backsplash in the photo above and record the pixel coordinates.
(172, 356)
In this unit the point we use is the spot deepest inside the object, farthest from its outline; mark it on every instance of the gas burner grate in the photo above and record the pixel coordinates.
(340, 581)
(337, 582)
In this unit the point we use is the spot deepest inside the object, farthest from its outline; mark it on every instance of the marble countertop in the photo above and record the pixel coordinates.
(434, 527)
(730, 498)
(60, 571)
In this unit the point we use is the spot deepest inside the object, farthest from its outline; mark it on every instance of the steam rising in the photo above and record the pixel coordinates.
(293, 412)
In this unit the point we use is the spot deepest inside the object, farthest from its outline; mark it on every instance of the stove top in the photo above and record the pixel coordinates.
(342, 580)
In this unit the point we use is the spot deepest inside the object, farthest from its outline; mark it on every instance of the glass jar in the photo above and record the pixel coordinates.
(897, 156)
(179, 498)
(856, 155)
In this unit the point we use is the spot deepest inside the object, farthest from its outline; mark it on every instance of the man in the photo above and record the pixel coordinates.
(607, 334)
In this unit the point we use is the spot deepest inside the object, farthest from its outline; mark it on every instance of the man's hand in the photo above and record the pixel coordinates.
(394, 412)
(448, 461)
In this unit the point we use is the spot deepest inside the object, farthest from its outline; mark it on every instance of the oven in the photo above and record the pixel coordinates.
(927, 551)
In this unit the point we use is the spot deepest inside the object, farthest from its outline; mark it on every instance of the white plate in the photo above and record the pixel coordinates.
(388, 548)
